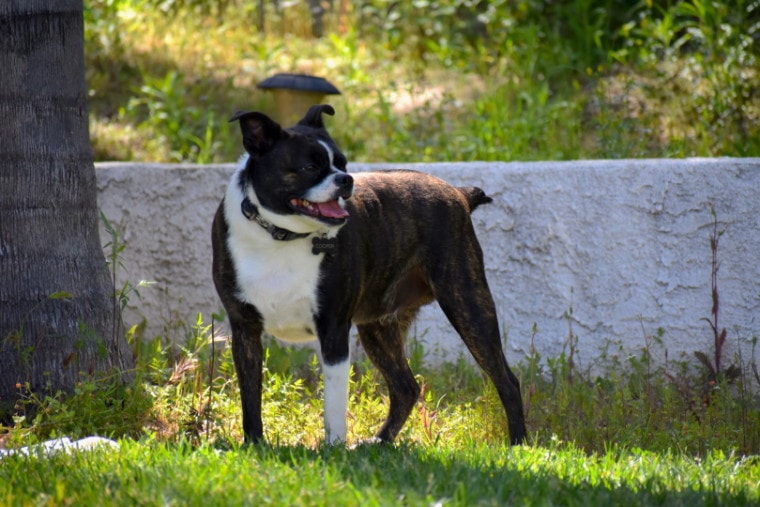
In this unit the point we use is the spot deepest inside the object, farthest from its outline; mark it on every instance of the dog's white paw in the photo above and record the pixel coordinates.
(372, 441)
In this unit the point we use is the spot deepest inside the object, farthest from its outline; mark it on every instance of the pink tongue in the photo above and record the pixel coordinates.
(331, 209)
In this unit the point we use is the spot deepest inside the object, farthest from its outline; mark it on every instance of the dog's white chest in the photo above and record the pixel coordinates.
(282, 284)
(279, 278)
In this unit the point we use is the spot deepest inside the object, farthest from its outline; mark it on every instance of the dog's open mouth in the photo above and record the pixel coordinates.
(329, 211)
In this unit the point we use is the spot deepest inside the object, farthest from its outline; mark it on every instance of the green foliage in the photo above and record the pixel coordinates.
(98, 405)
(190, 394)
(708, 52)
(641, 401)
(467, 80)
(186, 131)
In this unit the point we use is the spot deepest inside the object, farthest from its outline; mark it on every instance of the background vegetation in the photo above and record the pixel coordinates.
(432, 80)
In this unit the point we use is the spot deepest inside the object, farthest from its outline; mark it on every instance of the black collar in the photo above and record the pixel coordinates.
(319, 245)
(252, 213)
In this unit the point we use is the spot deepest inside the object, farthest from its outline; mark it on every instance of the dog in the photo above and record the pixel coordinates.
(302, 251)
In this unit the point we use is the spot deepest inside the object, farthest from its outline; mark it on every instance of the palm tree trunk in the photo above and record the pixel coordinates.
(57, 312)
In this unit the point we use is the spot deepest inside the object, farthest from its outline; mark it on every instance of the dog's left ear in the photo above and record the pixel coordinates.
(313, 117)
(260, 132)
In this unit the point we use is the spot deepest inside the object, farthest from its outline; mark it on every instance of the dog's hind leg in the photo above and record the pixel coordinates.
(247, 353)
(463, 294)
(478, 328)
(383, 341)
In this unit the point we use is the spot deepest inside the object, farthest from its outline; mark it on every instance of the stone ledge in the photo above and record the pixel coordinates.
(605, 250)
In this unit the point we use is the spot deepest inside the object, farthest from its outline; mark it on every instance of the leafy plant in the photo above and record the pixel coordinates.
(185, 129)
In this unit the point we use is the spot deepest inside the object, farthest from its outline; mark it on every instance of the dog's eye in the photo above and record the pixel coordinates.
(310, 168)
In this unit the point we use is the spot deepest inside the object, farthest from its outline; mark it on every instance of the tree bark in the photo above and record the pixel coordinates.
(57, 311)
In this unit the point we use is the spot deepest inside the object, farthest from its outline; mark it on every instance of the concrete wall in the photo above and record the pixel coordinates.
(607, 250)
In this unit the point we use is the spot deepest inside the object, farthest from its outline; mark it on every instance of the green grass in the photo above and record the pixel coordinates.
(475, 474)
(632, 433)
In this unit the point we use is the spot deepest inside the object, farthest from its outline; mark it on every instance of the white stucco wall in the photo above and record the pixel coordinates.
(624, 244)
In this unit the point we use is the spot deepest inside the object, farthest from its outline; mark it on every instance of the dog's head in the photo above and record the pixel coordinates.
(298, 175)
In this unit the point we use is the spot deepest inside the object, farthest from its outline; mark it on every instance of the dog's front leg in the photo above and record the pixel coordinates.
(336, 364)
(336, 400)
(248, 353)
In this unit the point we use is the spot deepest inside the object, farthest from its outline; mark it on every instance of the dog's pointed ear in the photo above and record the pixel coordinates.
(313, 117)
(259, 131)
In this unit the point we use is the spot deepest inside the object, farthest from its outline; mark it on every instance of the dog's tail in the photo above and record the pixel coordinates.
(475, 197)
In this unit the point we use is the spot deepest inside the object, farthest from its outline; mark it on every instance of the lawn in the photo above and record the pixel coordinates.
(407, 474)
(636, 440)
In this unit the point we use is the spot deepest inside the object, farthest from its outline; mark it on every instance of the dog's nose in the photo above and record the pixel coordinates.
(345, 183)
